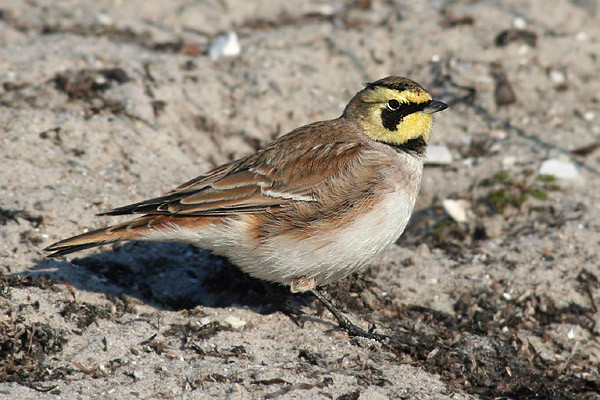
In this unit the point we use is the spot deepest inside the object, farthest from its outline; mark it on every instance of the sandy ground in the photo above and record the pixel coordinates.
(105, 103)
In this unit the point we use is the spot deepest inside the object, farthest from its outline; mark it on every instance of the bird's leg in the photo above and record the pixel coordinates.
(344, 322)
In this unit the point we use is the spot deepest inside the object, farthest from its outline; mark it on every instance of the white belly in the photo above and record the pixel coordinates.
(338, 253)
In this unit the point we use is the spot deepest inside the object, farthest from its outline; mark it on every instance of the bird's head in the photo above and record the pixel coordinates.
(394, 110)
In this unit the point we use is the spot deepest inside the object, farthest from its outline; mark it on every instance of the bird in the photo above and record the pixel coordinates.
(312, 207)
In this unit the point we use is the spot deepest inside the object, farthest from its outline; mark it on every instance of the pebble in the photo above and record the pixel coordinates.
(560, 169)
(324, 9)
(496, 148)
(509, 161)
(589, 116)
(457, 209)
(104, 19)
(498, 134)
(235, 322)
(557, 76)
(138, 375)
(523, 49)
(438, 155)
(494, 226)
(204, 321)
(423, 252)
(520, 23)
(226, 45)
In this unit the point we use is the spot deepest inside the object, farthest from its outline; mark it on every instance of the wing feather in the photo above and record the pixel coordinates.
(253, 184)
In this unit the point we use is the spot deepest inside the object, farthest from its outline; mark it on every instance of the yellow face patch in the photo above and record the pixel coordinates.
(393, 116)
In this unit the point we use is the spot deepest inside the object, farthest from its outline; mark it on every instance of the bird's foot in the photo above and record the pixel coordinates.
(344, 322)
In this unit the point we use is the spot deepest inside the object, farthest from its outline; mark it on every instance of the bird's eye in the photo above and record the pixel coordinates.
(393, 104)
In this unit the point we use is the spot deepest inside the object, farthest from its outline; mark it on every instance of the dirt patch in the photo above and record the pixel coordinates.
(482, 348)
(25, 345)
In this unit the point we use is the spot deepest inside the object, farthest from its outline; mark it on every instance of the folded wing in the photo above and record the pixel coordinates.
(257, 183)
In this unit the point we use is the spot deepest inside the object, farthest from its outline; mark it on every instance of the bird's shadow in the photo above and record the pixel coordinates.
(170, 276)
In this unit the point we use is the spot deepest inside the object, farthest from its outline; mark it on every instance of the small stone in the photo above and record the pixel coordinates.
(324, 9)
(496, 148)
(104, 20)
(509, 161)
(137, 375)
(519, 23)
(557, 76)
(235, 322)
(439, 155)
(571, 334)
(504, 93)
(498, 134)
(560, 169)
(204, 321)
(494, 226)
(423, 252)
(457, 209)
(523, 50)
(226, 45)
(589, 116)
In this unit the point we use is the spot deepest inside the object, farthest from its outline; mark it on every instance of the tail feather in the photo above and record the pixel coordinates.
(68, 249)
(126, 231)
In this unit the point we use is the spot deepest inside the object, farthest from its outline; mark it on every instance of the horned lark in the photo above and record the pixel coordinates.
(308, 209)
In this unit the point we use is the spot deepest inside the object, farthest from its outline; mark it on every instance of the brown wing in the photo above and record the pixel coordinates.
(264, 181)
